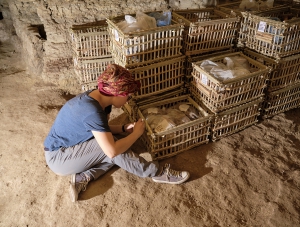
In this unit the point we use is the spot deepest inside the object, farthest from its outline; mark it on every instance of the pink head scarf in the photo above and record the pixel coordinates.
(117, 81)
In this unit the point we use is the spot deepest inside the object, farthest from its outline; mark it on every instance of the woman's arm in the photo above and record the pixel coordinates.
(113, 148)
(117, 129)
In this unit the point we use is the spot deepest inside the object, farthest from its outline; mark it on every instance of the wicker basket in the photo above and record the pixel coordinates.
(192, 59)
(234, 9)
(90, 41)
(180, 138)
(285, 71)
(221, 95)
(236, 119)
(271, 37)
(281, 100)
(207, 30)
(159, 77)
(88, 71)
(142, 47)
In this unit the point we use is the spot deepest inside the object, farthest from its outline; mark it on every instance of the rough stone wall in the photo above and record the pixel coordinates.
(40, 29)
(7, 30)
(191, 4)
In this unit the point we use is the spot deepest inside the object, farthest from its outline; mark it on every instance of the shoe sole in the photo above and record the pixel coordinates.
(177, 182)
(72, 189)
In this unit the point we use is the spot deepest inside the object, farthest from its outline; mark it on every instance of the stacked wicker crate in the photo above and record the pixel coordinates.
(212, 34)
(154, 57)
(276, 43)
(235, 102)
(236, 8)
(91, 54)
(207, 31)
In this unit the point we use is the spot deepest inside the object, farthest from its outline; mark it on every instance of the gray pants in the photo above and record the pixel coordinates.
(89, 158)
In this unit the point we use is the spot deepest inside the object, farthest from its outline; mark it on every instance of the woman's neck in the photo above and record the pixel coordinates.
(104, 101)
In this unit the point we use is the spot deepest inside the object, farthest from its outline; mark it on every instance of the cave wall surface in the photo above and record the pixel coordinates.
(40, 29)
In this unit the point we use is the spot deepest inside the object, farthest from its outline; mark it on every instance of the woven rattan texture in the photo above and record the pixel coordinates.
(180, 138)
(207, 30)
(144, 46)
(281, 100)
(220, 95)
(285, 72)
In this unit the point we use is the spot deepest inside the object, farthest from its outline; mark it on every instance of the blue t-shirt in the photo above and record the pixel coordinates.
(75, 122)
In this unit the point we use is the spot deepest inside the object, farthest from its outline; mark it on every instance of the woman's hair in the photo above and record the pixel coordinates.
(117, 81)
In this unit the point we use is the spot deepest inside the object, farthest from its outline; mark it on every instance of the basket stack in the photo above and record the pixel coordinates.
(235, 102)
(91, 54)
(272, 38)
(168, 62)
(207, 31)
(154, 56)
(240, 9)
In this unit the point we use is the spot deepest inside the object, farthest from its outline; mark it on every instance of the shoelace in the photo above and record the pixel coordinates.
(171, 172)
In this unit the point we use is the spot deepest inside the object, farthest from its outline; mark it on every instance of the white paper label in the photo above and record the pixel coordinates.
(203, 79)
(184, 107)
(262, 26)
(162, 126)
(116, 35)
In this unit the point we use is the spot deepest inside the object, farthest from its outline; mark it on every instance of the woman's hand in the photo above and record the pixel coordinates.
(129, 127)
(139, 127)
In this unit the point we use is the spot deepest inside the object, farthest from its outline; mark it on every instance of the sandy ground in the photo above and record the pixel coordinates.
(251, 178)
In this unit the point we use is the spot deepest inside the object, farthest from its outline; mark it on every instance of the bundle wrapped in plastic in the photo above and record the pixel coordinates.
(141, 22)
(162, 19)
(152, 111)
(232, 67)
(190, 111)
(162, 119)
(236, 62)
(177, 116)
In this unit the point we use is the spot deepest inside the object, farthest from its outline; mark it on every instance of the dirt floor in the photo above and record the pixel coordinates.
(251, 178)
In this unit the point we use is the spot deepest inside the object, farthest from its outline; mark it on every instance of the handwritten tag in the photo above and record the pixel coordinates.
(262, 26)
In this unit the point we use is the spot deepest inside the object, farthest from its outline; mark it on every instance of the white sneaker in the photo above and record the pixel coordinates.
(170, 176)
(77, 187)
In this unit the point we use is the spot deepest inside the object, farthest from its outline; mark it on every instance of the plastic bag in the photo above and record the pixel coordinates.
(162, 19)
(217, 69)
(235, 66)
(190, 111)
(128, 27)
(236, 61)
(177, 116)
(152, 111)
(239, 65)
(141, 22)
(130, 19)
(144, 21)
